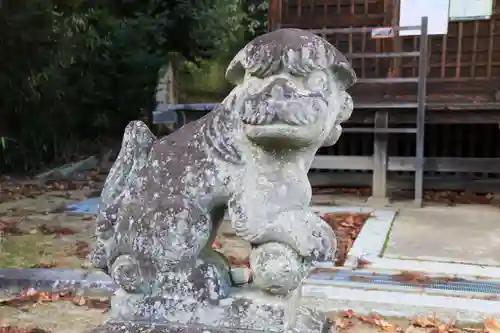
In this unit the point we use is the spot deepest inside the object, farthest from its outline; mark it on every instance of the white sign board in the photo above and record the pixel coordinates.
(386, 32)
(461, 10)
(411, 12)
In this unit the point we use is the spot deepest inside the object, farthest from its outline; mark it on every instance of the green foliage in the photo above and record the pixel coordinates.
(256, 17)
(203, 82)
(75, 72)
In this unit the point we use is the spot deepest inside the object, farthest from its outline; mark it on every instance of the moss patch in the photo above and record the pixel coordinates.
(387, 237)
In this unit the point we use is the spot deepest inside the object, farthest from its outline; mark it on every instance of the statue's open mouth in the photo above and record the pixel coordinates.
(268, 111)
(283, 134)
(294, 120)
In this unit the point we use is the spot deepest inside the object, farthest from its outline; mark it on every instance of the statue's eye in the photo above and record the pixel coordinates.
(316, 81)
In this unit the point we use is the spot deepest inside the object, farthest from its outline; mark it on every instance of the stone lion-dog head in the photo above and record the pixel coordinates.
(290, 87)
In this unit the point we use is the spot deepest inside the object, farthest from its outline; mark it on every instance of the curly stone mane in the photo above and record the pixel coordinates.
(299, 51)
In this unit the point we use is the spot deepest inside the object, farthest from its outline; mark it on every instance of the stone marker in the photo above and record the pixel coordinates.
(165, 198)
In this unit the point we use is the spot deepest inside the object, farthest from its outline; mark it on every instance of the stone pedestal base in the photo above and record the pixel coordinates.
(246, 310)
(116, 327)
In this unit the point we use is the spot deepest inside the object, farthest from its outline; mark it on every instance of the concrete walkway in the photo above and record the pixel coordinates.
(447, 259)
(436, 232)
(461, 234)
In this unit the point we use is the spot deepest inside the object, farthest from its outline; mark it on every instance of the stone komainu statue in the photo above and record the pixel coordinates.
(165, 198)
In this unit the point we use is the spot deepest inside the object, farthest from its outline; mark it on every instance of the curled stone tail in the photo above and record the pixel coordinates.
(136, 146)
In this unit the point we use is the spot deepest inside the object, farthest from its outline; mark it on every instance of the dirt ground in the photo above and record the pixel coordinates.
(36, 232)
(66, 317)
(56, 317)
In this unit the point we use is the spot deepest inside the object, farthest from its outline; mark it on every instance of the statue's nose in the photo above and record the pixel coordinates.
(280, 89)
(277, 92)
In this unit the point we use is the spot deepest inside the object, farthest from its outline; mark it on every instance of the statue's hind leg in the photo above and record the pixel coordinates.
(178, 237)
(170, 257)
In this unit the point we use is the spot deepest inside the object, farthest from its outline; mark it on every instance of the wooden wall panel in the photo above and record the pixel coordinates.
(464, 65)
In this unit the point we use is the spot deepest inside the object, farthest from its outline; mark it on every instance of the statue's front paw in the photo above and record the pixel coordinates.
(322, 243)
(277, 268)
(308, 234)
(126, 273)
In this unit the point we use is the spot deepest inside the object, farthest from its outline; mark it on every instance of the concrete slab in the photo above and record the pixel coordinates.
(399, 304)
(460, 234)
(371, 243)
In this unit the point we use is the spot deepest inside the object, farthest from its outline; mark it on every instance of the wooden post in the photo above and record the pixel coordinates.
(422, 104)
(395, 69)
(380, 159)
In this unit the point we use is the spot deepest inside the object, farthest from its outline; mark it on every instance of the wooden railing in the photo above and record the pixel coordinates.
(381, 122)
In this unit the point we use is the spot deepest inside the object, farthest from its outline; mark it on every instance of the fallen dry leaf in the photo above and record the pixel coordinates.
(423, 322)
(362, 263)
(348, 313)
(91, 303)
(14, 329)
(412, 278)
(33, 297)
(346, 226)
(492, 325)
(45, 265)
(360, 278)
(386, 326)
(79, 300)
(439, 329)
(82, 249)
(30, 297)
(374, 320)
(360, 192)
(10, 227)
(15, 189)
(238, 262)
(343, 323)
(431, 324)
(55, 230)
(450, 198)
(379, 322)
(434, 325)
(491, 298)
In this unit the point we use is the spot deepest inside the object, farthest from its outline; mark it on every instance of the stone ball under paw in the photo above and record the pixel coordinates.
(277, 268)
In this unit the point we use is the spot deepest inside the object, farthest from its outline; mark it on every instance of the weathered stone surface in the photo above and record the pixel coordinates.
(244, 310)
(165, 198)
(278, 268)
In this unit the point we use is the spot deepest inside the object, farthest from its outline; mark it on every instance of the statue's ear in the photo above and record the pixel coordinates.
(333, 136)
(345, 112)
(344, 73)
(346, 107)
(235, 73)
